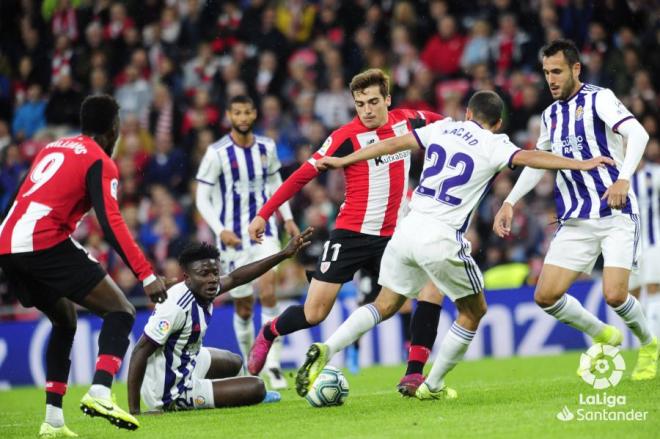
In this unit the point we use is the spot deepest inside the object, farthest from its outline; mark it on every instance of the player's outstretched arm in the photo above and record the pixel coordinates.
(136, 369)
(386, 147)
(546, 160)
(252, 271)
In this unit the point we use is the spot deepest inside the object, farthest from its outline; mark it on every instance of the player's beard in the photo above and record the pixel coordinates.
(242, 132)
(568, 89)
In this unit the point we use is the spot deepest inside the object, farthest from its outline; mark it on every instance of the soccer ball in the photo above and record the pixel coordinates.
(330, 388)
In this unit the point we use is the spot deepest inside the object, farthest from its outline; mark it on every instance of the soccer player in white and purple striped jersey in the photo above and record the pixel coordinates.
(646, 185)
(236, 176)
(597, 210)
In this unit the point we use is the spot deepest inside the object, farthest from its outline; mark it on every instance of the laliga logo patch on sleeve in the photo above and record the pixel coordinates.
(326, 145)
(114, 185)
(163, 327)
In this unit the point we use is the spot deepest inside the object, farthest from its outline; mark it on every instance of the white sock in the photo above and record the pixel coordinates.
(100, 391)
(631, 313)
(360, 321)
(452, 350)
(244, 330)
(273, 359)
(653, 313)
(568, 310)
(54, 416)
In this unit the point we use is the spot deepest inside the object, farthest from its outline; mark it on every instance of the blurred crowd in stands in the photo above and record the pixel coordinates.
(173, 64)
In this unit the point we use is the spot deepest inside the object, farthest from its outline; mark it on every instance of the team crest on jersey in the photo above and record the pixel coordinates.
(200, 400)
(114, 185)
(325, 266)
(579, 113)
(264, 159)
(326, 145)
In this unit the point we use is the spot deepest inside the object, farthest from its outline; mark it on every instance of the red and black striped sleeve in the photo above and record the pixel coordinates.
(102, 182)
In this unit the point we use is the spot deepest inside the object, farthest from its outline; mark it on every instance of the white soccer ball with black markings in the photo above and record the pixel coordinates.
(329, 389)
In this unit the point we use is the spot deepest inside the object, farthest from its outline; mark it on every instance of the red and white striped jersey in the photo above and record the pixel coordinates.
(375, 189)
(66, 179)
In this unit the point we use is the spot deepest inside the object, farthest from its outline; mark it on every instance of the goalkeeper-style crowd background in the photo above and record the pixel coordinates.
(173, 64)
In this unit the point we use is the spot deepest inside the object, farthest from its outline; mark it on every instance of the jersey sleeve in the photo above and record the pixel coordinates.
(102, 185)
(425, 134)
(503, 152)
(209, 168)
(543, 143)
(274, 163)
(338, 144)
(611, 110)
(430, 116)
(166, 319)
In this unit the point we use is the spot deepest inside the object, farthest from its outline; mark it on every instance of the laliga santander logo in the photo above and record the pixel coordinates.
(602, 366)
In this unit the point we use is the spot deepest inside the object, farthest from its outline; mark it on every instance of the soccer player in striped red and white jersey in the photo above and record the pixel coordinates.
(375, 194)
(597, 209)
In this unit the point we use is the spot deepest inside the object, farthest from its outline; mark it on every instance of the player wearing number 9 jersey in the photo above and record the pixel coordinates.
(47, 269)
(461, 160)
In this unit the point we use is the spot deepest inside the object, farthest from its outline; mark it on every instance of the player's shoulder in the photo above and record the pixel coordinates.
(180, 296)
(222, 143)
(268, 142)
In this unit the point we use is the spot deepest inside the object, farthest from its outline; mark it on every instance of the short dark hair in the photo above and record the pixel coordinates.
(197, 251)
(97, 114)
(567, 47)
(486, 106)
(240, 99)
(371, 77)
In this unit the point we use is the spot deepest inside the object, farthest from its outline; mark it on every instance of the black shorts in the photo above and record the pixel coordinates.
(345, 252)
(43, 277)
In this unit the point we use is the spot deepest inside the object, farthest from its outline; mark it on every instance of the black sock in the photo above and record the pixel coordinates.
(424, 329)
(406, 321)
(58, 362)
(113, 341)
(291, 320)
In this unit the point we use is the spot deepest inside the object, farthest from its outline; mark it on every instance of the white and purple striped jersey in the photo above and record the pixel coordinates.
(245, 177)
(646, 185)
(178, 326)
(461, 161)
(583, 127)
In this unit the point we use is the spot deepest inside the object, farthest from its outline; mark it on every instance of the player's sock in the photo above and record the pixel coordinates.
(268, 314)
(360, 321)
(424, 329)
(113, 342)
(244, 330)
(452, 350)
(58, 365)
(568, 310)
(631, 313)
(653, 313)
(291, 320)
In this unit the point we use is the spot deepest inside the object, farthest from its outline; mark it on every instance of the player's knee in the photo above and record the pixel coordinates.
(129, 309)
(615, 297)
(236, 362)
(244, 308)
(386, 309)
(316, 315)
(543, 300)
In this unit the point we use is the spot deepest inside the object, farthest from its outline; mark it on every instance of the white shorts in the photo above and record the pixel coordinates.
(578, 243)
(649, 268)
(231, 259)
(422, 249)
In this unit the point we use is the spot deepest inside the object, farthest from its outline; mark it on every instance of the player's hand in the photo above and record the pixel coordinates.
(502, 222)
(291, 228)
(230, 239)
(256, 229)
(156, 290)
(617, 194)
(325, 163)
(299, 241)
(596, 162)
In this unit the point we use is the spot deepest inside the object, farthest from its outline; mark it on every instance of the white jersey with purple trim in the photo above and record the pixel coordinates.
(241, 176)
(178, 326)
(646, 185)
(460, 163)
(582, 127)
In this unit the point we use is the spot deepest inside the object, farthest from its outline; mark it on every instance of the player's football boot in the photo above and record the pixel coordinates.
(276, 379)
(259, 352)
(48, 430)
(410, 383)
(610, 335)
(315, 360)
(108, 409)
(424, 392)
(647, 362)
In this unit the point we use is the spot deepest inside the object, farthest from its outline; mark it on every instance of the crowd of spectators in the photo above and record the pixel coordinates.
(173, 64)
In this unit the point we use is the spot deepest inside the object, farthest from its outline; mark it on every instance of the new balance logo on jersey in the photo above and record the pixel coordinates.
(387, 159)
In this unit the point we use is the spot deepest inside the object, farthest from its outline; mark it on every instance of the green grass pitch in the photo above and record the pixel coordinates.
(506, 398)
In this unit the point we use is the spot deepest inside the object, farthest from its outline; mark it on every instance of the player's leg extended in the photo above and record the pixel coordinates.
(109, 302)
(453, 347)
(320, 298)
(615, 289)
(239, 391)
(63, 317)
(242, 322)
(217, 363)
(269, 311)
(360, 321)
(424, 329)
